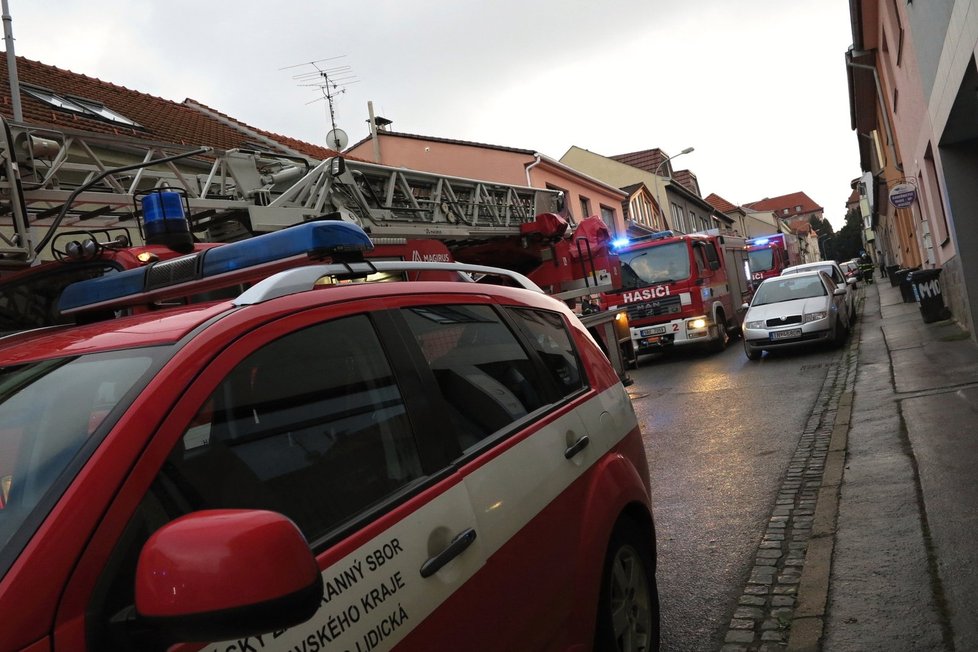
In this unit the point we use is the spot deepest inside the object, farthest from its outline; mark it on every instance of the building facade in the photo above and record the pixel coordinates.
(913, 74)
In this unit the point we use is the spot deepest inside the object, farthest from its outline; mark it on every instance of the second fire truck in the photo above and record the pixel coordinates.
(682, 290)
(767, 255)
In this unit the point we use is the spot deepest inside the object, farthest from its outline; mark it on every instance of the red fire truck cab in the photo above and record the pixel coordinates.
(768, 255)
(681, 289)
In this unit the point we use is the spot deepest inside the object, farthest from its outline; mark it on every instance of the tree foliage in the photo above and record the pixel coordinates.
(848, 242)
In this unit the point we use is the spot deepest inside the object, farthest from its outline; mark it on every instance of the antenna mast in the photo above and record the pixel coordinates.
(332, 80)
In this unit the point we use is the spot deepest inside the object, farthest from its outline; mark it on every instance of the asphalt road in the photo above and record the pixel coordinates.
(719, 432)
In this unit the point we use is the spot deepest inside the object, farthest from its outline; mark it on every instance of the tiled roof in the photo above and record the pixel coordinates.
(647, 159)
(687, 180)
(789, 201)
(159, 119)
(719, 203)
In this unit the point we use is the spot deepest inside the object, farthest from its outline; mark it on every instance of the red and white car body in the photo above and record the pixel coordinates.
(502, 543)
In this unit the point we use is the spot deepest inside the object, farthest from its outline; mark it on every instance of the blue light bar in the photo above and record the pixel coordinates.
(312, 239)
(760, 241)
(619, 243)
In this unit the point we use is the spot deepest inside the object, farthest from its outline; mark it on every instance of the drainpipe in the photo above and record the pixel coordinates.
(8, 40)
(879, 95)
(529, 167)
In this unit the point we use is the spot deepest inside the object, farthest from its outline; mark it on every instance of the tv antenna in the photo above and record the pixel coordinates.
(331, 77)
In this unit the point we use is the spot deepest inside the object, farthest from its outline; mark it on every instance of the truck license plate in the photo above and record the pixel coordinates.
(658, 330)
(786, 335)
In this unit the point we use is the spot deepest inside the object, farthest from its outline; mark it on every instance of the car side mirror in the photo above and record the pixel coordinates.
(839, 291)
(745, 306)
(220, 574)
(852, 280)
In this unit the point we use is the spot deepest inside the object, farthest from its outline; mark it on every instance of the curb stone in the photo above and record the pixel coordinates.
(787, 600)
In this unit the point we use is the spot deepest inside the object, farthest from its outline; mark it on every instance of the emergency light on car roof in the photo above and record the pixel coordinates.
(758, 241)
(312, 239)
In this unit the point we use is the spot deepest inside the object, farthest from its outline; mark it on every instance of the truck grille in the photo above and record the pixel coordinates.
(655, 308)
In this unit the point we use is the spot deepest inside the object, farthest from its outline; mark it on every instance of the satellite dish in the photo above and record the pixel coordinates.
(337, 139)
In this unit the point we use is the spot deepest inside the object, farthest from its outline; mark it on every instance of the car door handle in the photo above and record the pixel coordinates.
(577, 447)
(462, 541)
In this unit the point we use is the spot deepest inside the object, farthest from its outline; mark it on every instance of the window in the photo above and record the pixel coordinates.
(485, 376)
(553, 344)
(87, 108)
(312, 425)
(608, 215)
(585, 207)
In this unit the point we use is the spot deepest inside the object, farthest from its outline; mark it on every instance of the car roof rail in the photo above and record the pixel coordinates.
(302, 279)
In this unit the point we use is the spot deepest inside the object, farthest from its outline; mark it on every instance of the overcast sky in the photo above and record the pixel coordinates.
(757, 87)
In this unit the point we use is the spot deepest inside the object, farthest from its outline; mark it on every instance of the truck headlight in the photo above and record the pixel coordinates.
(696, 324)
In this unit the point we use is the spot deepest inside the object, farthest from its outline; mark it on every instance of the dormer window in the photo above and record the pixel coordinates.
(82, 106)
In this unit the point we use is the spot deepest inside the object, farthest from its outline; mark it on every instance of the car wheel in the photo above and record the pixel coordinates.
(628, 608)
(752, 353)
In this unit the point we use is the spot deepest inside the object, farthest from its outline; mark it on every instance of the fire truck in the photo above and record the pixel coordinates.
(79, 205)
(682, 290)
(767, 255)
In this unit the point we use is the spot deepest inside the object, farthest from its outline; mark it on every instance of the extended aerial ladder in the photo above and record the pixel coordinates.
(84, 189)
(55, 181)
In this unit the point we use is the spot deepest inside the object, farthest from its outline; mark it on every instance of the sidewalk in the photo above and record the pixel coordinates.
(904, 555)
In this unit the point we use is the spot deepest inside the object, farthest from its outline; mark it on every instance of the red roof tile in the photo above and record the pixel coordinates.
(159, 119)
(719, 203)
(647, 159)
(790, 201)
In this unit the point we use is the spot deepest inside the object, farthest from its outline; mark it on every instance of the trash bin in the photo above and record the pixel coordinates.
(906, 290)
(891, 273)
(927, 290)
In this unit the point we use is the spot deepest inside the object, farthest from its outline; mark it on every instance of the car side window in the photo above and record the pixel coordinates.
(549, 336)
(485, 375)
(311, 425)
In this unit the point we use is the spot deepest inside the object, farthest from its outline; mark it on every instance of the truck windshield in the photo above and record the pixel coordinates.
(32, 301)
(761, 260)
(49, 411)
(664, 263)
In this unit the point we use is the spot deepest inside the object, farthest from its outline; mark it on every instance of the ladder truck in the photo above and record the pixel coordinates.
(75, 205)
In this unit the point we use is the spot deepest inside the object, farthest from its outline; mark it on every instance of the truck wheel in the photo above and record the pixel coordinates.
(628, 607)
(723, 336)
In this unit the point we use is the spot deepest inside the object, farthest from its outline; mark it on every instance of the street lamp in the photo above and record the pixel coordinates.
(658, 184)
(823, 243)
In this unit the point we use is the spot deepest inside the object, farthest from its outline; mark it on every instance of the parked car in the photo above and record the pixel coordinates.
(321, 462)
(851, 270)
(791, 310)
(838, 277)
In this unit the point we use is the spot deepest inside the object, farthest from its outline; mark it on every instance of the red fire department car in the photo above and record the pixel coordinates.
(320, 463)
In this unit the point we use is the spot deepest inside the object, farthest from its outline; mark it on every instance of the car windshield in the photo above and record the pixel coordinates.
(781, 289)
(657, 264)
(49, 411)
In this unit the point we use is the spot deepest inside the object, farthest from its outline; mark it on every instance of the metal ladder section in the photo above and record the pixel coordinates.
(52, 180)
